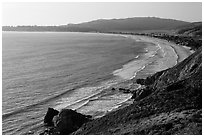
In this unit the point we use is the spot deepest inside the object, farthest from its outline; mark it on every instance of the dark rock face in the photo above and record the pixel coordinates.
(69, 121)
(50, 131)
(140, 81)
(49, 116)
(64, 122)
(124, 90)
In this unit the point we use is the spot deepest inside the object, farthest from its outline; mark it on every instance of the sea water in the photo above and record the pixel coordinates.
(61, 70)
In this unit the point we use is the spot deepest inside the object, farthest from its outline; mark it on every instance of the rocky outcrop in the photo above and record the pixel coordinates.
(64, 122)
(69, 121)
(48, 119)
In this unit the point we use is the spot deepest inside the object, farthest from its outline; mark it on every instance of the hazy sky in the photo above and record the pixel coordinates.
(64, 13)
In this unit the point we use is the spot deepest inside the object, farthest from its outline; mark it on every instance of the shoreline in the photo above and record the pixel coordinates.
(172, 55)
(169, 50)
(182, 53)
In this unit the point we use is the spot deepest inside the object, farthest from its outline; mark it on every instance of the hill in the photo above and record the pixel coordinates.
(109, 25)
(192, 29)
(131, 24)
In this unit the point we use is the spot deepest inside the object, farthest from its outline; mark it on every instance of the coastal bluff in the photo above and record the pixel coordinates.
(63, 122)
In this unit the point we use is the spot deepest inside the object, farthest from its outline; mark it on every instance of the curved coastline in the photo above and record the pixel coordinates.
(179, 53)
(132, 69)
(172, 55)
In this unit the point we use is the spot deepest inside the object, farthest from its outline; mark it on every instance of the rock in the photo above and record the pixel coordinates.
(124, 90)
(141, 93)
(50, 131)
(54, 120)
(69, 121)
(134, 94)
(140, 81)
(49, 116)
(113, 88)
(121, 89)
(30, 133)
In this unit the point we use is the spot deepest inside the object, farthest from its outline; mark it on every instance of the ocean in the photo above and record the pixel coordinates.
(79, 71)
(62, 70)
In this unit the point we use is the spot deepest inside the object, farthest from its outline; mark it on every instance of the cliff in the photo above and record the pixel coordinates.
(193, 29)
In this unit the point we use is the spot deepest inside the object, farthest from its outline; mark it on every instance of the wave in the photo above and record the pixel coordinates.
(83, 104)
(177, 57)
(120, 104)
(67, 105)
(130, 70)
(137, 56)
(85, 94)
(28, 107)
(99, 100)
(115, 107)
(135, 74)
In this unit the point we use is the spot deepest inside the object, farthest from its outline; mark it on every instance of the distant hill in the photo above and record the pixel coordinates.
(192, 29)
(131, 24)
(109, 25)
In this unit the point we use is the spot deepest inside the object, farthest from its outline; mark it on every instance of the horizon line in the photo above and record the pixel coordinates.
(97, 20)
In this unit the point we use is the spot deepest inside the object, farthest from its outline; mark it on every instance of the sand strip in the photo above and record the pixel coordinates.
(182, 51)
(168, 55)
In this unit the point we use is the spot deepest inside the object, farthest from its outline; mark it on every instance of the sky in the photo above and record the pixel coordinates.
(61, 13)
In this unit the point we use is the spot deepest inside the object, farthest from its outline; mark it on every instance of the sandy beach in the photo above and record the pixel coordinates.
(182, 51)
(164, 56)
